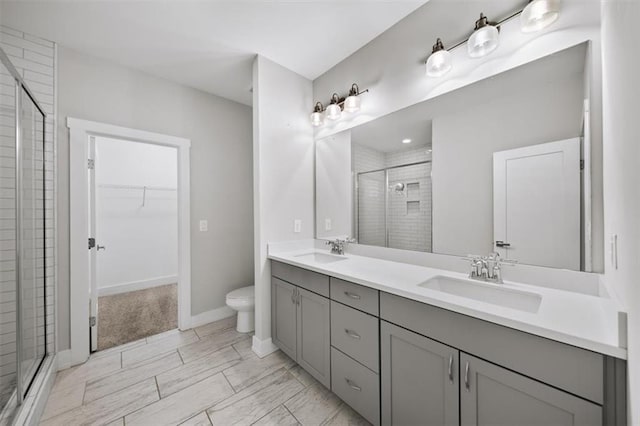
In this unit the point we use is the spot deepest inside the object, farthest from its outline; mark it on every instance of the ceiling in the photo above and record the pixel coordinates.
(415, 122)
(210, 45)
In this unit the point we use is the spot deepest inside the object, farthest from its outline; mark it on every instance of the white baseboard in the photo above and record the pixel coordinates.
(211, 316)
(63, 360)
(137, 285)
(263, 348)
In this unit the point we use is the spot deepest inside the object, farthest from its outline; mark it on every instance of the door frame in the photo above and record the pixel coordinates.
(79, 132)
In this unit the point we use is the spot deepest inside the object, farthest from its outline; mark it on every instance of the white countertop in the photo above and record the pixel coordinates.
(586, 321)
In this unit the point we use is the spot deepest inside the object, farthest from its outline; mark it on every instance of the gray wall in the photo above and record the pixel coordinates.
(463, 147)
(221, 167)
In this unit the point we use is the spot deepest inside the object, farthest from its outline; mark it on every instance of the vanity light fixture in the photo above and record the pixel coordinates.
(407, 140)
(333, 110)
(336, 105)
(485, 38)
(439, 62)
(539, 14)
(352, 103)
(536, 15)
(317, 118)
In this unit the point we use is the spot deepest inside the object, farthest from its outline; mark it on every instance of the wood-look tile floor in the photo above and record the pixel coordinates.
(204, 376)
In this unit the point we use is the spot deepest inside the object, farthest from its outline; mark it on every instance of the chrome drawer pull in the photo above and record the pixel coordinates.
(353, 385)
(352, 295)
(352, 334)
(467, 385)
(451, 368)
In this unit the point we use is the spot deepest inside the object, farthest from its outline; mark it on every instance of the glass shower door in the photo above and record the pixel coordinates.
(22, 240)
(371, 210)
(32, 240)
(8, 299)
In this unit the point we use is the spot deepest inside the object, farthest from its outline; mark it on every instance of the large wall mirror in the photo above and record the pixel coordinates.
(503, 164)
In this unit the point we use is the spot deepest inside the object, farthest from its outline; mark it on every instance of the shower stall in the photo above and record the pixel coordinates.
(393, 206)
(23, 331)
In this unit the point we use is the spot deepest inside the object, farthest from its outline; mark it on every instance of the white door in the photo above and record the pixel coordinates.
(536, 204)
(93, 247)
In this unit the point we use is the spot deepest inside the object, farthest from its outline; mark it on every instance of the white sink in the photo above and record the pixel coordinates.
(320, 257)
(495, 294)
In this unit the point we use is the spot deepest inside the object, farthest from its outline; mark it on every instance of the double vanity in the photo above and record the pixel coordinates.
(405, 344)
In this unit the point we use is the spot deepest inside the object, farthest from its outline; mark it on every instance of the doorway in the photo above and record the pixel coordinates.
(133, 218)
(115, 196)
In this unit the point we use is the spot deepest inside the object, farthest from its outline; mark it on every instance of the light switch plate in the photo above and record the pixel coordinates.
(297, 226)
(204, 225)
(327, 224)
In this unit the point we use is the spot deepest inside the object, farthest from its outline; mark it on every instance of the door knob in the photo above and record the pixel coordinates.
(99, 247)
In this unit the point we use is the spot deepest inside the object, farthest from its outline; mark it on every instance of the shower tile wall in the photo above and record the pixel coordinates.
(409, 211)
(34, 58)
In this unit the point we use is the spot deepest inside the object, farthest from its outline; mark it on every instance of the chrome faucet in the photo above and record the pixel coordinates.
(488, 268)
(338, 245)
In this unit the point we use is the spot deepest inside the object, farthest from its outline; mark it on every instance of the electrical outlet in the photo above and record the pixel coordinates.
(204, 225)
(297, 226)
(327, 224)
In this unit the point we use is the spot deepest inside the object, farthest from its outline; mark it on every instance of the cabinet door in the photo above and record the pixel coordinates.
(492, 395)
(314, 345)
(283, 316)
(419, 379)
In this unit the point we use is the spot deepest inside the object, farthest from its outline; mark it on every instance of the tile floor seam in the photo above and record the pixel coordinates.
(289, 411)
(181, 359)
(227, 379)
(155, 378)
(206, 412)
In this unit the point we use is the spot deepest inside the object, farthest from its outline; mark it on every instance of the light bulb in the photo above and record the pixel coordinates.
(439, 63)
(316, 119)
(539, 14)
(484, 40)
(352, 103)
(334, 112)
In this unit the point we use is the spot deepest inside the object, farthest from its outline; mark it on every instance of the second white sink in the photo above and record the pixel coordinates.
(320, 257)
(495, 294)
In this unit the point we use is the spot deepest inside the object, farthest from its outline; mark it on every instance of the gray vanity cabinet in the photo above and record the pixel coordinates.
(491, 395)
(300, 319)
(284, 311)
(314, 346)
(419, 378)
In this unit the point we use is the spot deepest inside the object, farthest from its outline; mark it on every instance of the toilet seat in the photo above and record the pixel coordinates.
(244, 293)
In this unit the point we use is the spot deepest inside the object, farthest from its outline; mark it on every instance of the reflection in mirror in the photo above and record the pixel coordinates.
(498, 165)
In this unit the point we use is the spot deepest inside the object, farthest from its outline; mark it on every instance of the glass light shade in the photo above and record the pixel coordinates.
(352, 104)
(439, 63)
(334, 112)
(539, 14)
(316, 119)
(483, 41)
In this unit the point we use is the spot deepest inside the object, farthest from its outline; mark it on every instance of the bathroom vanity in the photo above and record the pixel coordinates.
(400, 351)
(400, 327)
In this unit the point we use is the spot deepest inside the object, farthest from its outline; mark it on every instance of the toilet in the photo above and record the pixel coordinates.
(243, 301)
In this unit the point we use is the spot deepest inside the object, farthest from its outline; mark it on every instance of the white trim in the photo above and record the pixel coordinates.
(263, 348)
(136, 285)
(79, 132)
(34, 403)
(211, 316)
(63, 359)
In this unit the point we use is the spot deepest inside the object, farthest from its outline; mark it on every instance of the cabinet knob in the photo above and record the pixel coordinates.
(352, 295)
(352, 385)
(352, 334)
(467, 385)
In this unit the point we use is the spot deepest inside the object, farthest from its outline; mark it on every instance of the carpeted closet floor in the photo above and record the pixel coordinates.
(126, 317)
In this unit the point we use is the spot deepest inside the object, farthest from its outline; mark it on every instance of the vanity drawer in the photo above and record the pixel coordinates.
(356, 385)
(566, 367)
(308, 280)
(356, 334)
(360, 297)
